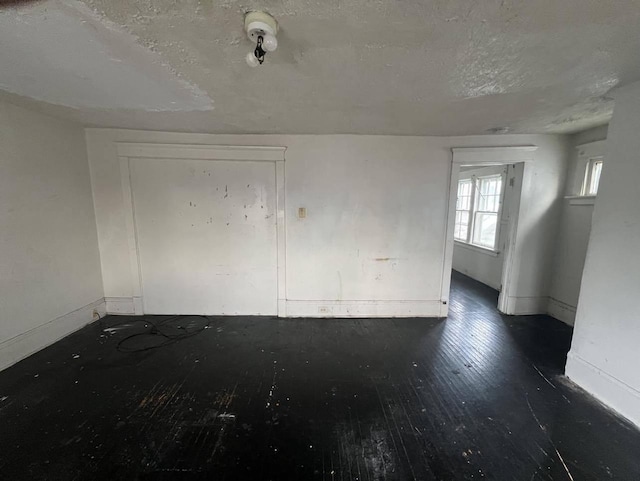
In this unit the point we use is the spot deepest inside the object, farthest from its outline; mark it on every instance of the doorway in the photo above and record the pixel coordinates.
(482, 222)
(481, 218)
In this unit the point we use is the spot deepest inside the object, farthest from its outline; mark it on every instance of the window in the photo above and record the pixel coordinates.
(463, 210)
(592, 177)
(485, 221)
(478, 210)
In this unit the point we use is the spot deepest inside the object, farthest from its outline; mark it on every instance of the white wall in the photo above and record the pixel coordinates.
(373, 239)
(50, 278)
(574, 228)
(604, 352)
(481, 264)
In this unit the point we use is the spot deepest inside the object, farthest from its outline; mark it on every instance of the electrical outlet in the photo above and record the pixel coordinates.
(324, 310)
(302, 212)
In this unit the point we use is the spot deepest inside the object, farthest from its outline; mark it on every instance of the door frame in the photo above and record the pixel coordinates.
(479, 157)
(129, 151)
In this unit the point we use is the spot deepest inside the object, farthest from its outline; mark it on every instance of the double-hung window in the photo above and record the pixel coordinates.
(478, 211)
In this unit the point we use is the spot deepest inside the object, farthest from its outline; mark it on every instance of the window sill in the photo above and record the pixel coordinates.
(472, 247)
(581, 199)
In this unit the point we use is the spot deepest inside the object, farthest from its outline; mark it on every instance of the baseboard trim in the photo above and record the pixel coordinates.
(619, 396)
(119, 305)
(124, 306)
(362, 308)
(294, 308)
(525, 306)
(562, 311)
(23, 345)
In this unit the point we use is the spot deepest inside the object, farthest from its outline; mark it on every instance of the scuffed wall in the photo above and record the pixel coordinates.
(376, 213)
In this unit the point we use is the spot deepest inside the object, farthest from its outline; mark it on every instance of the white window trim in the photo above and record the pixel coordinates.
(472, 215)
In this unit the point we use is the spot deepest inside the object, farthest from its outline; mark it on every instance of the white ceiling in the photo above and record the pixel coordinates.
(413, 67)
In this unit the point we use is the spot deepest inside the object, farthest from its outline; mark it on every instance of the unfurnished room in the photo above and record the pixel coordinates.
(303, 240)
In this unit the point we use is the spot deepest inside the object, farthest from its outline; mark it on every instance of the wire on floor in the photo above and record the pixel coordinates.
(160, 333)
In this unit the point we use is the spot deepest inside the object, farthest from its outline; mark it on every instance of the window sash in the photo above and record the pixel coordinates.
(485, 235)
(592, 176)
(464, 207)
(462, 228)
(489, 193)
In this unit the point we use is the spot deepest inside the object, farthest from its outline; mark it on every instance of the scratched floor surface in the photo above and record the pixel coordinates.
(476, 396)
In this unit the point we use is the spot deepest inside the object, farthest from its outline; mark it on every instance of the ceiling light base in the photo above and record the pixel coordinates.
(259, 24)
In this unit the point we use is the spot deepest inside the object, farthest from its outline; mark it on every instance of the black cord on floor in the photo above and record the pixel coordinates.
(162, 333)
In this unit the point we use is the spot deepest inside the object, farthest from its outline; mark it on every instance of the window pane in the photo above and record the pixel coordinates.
(484, 229)
(489, 190)
(596, 170)
(464, 195)
(461, 228)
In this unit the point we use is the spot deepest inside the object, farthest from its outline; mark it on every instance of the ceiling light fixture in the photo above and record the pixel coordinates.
(262, 29)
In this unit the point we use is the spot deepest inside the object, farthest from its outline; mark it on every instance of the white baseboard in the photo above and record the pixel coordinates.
(362, 309)
(524, 306)
(23, 345)
(561, 311)
(119, 305)
(290, 308)
(611, 391)
(124, 306)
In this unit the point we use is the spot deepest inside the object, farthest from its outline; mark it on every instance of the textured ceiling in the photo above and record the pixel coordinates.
(413, 67)
(67, 56)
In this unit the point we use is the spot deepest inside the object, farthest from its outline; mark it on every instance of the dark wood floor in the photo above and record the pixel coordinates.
(475, 396)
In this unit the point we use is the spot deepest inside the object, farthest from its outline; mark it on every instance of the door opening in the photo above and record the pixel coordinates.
(482, 223)
(483, 197)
